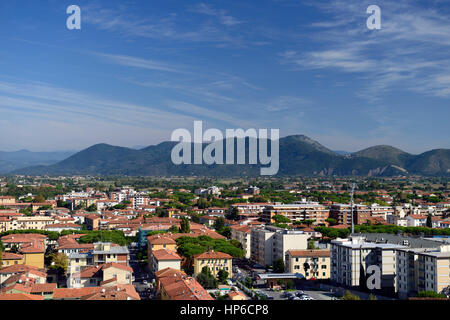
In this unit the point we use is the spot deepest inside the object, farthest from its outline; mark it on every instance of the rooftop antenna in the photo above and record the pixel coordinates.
(351, 207)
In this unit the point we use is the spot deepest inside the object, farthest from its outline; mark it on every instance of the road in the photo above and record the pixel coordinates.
(140, 274)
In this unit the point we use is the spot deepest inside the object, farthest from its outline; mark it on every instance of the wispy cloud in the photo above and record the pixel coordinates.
(409, 52)
(222, 15)
(139, 62)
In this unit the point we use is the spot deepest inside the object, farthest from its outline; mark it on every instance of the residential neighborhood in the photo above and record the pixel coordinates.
(181, 242)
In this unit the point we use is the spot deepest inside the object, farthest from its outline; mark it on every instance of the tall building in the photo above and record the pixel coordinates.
(271, 243)
(422, 269)
(351, 258)
(242, 233)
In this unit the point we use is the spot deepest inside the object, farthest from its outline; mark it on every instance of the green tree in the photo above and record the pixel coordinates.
(281, 219)
(233, 213)
(278, 266)
(185, 225)
(429, 222)
(206, 279)
(430, 294)
(219, 224)
(173, 229)
(350, 296)
(222, 276)
(289, 284)
(311, 245)
(39, 199)
(60, 262)
(331, 221)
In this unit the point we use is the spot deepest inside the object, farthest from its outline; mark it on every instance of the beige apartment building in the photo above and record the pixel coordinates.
(271, 243)
(310, 263)
(215, 261)
(26, 223)
(424, 269)
(296, 212)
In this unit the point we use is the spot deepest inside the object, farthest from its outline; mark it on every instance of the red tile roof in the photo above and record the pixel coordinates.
(20, 296)
(164, 254)
(309, 253)
(213, 255)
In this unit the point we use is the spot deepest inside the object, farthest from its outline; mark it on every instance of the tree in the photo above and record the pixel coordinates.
(278, 266)
(281, 219)
(429, 222)
(206, 279)
(92, 208)
(59, 262)
(185, 225)
(222, 276)
(173, 229)
(309, 222)
(350, 296)
(331, 221)
(39, 199)
(289, 284)
(372, 297)
(233, 213)
(306, 267)
(219, 224)
(311, 245)
(430, 294)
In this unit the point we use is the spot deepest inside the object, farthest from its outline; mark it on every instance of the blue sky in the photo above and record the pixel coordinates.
(139, 69)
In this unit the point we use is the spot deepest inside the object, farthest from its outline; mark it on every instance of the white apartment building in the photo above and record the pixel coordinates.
(350, 256)
(416, 220)
(271, 243)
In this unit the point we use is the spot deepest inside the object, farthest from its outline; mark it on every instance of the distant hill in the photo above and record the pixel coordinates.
(299, 155)
(10, 161)
(387, 154)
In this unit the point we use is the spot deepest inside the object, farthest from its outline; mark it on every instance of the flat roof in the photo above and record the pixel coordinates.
(267, 276)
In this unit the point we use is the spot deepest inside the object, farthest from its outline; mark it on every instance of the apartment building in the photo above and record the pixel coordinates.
(296, 212)
(342, 213)
(351, 256)
(101, 253)
(164, 258)
(27, 223)
(6, 200)
(242, 233)
(313, 264)
(422, 269)
(271, 243)
(215, 261)
(416, 220)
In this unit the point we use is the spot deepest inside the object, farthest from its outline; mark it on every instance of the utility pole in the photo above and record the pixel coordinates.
(351, 207)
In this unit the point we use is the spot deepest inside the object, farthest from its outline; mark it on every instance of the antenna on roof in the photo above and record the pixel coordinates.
(351, 207)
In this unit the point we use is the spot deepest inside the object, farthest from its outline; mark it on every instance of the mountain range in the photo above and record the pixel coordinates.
(10, 161)
(299, 155)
